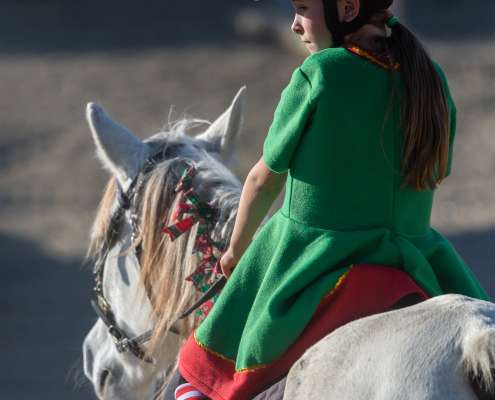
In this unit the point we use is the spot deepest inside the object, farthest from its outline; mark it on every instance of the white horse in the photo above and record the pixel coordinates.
(440, 349)
(150, 291)
(443, 348)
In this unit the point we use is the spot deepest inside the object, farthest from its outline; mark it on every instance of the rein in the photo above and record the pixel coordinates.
(207, 278)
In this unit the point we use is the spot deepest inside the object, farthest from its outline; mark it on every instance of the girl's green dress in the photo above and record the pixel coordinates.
(343, 205)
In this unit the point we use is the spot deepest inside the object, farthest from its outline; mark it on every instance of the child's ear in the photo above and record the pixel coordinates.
(349, 9)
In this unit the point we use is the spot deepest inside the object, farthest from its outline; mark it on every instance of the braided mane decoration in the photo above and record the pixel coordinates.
(189, 210)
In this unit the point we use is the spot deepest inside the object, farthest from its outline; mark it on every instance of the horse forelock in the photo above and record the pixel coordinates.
(165, 263)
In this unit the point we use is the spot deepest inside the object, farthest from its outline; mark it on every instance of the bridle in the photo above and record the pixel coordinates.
(127, 201)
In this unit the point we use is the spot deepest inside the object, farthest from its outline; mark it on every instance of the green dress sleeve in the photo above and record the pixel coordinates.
(289, 121)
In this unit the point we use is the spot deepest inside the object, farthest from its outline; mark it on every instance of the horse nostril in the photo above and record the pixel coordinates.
(103, 380)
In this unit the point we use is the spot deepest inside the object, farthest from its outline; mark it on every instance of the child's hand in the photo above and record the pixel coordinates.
(228, 262)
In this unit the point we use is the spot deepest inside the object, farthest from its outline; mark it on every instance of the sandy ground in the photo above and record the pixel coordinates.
(50, 181)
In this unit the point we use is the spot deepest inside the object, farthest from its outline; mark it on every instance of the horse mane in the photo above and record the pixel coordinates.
(165, 264)
(101, 224)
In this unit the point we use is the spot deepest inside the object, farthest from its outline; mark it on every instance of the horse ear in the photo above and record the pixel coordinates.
(120, 151)
(222, 134)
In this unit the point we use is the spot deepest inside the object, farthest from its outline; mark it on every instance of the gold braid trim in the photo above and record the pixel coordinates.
(339, 282)
(332, 291)
(372, 57)
(255, 367)
(211, 351)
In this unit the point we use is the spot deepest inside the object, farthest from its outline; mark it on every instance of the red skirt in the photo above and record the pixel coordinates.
(366, 290)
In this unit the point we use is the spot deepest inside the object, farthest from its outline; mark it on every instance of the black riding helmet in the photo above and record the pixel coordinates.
(340, 29)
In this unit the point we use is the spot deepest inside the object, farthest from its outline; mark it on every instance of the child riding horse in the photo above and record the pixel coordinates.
(361, 138)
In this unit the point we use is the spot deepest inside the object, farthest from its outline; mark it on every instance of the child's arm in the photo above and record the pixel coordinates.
(265, 180)
(261, 188)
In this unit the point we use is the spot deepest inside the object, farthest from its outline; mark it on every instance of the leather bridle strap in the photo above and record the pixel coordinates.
(122, 342)
(214, 289)
(101, 306)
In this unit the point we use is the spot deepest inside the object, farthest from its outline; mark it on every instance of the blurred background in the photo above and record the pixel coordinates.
(140, 61)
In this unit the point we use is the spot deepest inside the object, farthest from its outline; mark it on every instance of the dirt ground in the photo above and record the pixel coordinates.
(140, 63)
(50, 180)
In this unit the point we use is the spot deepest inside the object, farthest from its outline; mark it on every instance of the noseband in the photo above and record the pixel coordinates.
(203, 278)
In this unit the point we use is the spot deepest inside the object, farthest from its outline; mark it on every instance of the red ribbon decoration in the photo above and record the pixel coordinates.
(208, 270)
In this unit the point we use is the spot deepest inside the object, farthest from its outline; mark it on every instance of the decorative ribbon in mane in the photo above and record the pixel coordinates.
(189, 210)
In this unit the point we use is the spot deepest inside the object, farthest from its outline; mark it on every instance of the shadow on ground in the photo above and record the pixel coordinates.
(35, 26)
(478, 250)
(450, 21)
(45, 314)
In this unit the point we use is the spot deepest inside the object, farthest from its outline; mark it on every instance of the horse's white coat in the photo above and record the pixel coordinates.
(121, 375)
(419, 352)
(120, 151)
(222, 134)
(128, 378)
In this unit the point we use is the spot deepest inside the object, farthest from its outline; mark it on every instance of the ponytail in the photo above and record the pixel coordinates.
(424, 112)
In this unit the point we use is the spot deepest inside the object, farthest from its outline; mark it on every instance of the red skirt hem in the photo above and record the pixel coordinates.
(366, 290)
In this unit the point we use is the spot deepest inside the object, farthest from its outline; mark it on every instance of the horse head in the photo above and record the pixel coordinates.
(140, 272)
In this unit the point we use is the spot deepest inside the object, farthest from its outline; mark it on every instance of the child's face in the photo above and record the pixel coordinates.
(309, 24)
